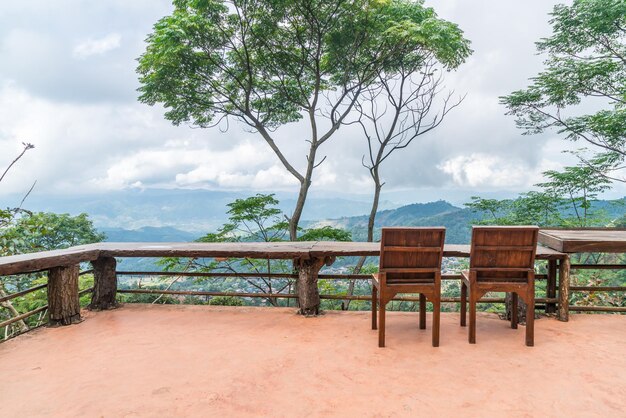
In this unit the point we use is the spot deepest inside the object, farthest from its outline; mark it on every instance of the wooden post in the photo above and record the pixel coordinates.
(308, 293)
(564, 271)
(105, 284)
(63, 303)
(551, 286)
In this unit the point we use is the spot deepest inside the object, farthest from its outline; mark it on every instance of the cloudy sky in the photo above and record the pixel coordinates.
(68, 85)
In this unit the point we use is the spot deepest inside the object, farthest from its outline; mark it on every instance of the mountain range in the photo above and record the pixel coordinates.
(457, 221)
(197, 211)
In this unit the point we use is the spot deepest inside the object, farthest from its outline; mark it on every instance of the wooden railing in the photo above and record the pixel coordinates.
(38, 310)
(345, 277)
(579, 241)
(577, 308)
(63, 292)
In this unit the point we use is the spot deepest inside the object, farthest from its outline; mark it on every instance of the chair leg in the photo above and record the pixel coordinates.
(374, 303)
(463, 303)
(436, 320)
(514, 319)
(422, 311)
(381, 320)
(530, 320)
(472, 319)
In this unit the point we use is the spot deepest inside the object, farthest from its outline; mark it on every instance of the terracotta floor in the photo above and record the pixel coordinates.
(161, 361)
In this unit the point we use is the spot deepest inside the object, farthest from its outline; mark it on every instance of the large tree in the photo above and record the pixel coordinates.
(585, 69)
(269, 63)
(398, 108)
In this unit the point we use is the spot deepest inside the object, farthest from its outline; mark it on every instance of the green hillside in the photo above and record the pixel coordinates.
(457, 220)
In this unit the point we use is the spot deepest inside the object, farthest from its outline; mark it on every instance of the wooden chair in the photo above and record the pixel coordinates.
(502, 259)
(410, 262)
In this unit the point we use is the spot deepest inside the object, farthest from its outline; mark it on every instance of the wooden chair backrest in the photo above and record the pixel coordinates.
(503, 253)
(411, 255)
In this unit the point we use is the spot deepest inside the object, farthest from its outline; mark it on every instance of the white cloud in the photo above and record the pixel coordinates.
(92, 135)
(247, 165)
(89, 47)
(486, 170)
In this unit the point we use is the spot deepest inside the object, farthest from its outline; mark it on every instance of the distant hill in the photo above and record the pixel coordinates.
(441, 213)
(199, 211)
(457, 220)
(148, 234)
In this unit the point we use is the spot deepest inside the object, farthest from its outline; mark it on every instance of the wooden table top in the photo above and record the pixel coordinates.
(44, 260)
(585, 240)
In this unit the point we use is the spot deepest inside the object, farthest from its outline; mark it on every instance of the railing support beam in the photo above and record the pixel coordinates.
(63, 303)
(551, 285)
(105, 284)
(306, 284)
(564, 271)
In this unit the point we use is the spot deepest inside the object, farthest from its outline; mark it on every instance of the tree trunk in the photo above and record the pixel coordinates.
(308, 293)
(294, 220)
(105, 284)
(63, 303)
(564, 277)
(374, 210)
(521, 309)
(370, 238)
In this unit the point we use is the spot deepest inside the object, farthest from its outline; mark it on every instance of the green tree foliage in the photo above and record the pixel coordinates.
(577, 187)
(586, 64)
(268, 63)
(564, 200)
(34, 232)
(44, 231)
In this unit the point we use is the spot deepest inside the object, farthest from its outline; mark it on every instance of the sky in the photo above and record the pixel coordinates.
(68, 85)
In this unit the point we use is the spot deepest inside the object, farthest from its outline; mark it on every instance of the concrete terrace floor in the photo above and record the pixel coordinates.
(162, 361)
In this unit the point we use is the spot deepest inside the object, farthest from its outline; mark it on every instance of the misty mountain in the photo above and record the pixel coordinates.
(149, 234)
(457, 220)
(199, 211)
(441, 213)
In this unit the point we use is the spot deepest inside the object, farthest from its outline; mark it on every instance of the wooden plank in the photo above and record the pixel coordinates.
(28, 263)
(598, 267)
(598, 308)
(22, 316)
(411, 270)
(32, 262)
(580, 240)
(504, 248)
(412, 249)
(597, 288)
(23, 292)
(551, 285)
(274, 250)
(293, 296)
(550, 241)
(564, 278)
